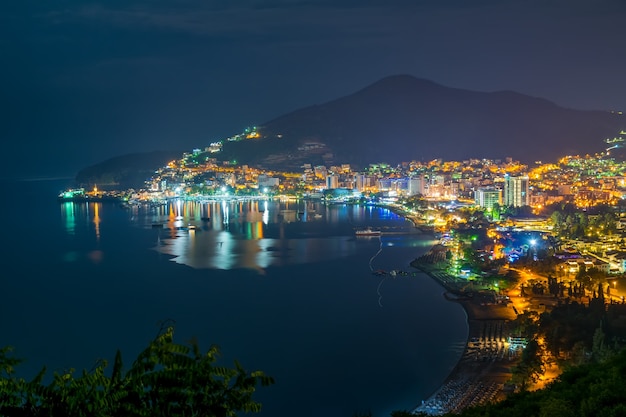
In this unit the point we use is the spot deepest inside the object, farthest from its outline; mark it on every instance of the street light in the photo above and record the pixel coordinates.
(533, 242)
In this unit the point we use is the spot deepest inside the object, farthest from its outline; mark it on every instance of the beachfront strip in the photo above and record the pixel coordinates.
(479, 377)
(457, 394)
(481, 374)
(483, 370)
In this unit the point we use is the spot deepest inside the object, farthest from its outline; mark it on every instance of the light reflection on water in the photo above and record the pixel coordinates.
(69, 218)
(222, 250)
(320, 328)
(252, 234)
(72, 212)
(257, 234)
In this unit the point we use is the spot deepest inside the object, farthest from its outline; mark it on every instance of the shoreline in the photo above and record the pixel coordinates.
(483, 370)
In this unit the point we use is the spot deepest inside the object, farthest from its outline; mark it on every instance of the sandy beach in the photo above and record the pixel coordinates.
(484, 368)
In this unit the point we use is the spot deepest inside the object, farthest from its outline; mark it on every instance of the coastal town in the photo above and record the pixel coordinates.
(314, 208)
(517, 245)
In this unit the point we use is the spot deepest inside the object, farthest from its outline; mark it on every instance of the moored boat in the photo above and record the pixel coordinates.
(368, 232)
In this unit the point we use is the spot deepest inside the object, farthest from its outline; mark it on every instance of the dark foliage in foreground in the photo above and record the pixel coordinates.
(166, 379)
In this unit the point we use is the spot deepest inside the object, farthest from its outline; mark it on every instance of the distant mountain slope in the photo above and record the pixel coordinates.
(402, 118)
(127, 171)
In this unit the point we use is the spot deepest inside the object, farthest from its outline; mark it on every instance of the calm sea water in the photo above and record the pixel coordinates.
(282, 287)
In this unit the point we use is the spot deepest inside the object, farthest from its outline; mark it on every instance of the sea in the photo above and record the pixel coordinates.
(285, 287)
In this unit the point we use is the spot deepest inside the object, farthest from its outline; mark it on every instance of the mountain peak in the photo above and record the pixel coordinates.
(403, 84)
(405, 80)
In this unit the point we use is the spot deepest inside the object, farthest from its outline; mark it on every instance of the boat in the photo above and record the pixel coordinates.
(368, 232)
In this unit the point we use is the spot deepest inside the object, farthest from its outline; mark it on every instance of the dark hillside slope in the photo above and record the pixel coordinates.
(401, 118)
(127, 171)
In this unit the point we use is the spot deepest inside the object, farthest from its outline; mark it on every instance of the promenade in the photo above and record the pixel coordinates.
(484, 368)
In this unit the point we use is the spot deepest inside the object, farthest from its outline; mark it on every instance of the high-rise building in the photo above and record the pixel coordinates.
(487, 197)
(383, 184)
(360, 182)
(516, 191)
(416, 186)
(332, 182)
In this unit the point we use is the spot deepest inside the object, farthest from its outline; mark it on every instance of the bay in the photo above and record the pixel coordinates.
(284, 287)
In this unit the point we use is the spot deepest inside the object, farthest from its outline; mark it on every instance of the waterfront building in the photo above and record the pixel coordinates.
(332, 182)
(384, 184)
(360, 182)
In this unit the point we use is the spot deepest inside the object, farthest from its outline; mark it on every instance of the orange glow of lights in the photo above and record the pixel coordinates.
(96, 219)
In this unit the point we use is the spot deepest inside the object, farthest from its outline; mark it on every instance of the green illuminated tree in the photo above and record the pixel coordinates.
(557, 219)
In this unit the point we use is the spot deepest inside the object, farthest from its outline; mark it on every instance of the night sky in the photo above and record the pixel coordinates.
(86, 81)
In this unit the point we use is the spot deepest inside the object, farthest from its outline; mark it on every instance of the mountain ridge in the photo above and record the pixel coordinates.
(423, 120)
(402, 118)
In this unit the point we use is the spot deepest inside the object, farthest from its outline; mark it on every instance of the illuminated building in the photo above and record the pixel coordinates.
(516, 191)
(416, 186)
(488, 197)
(384, 184)
(267, 181)
(332, 182)
(360, 182)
